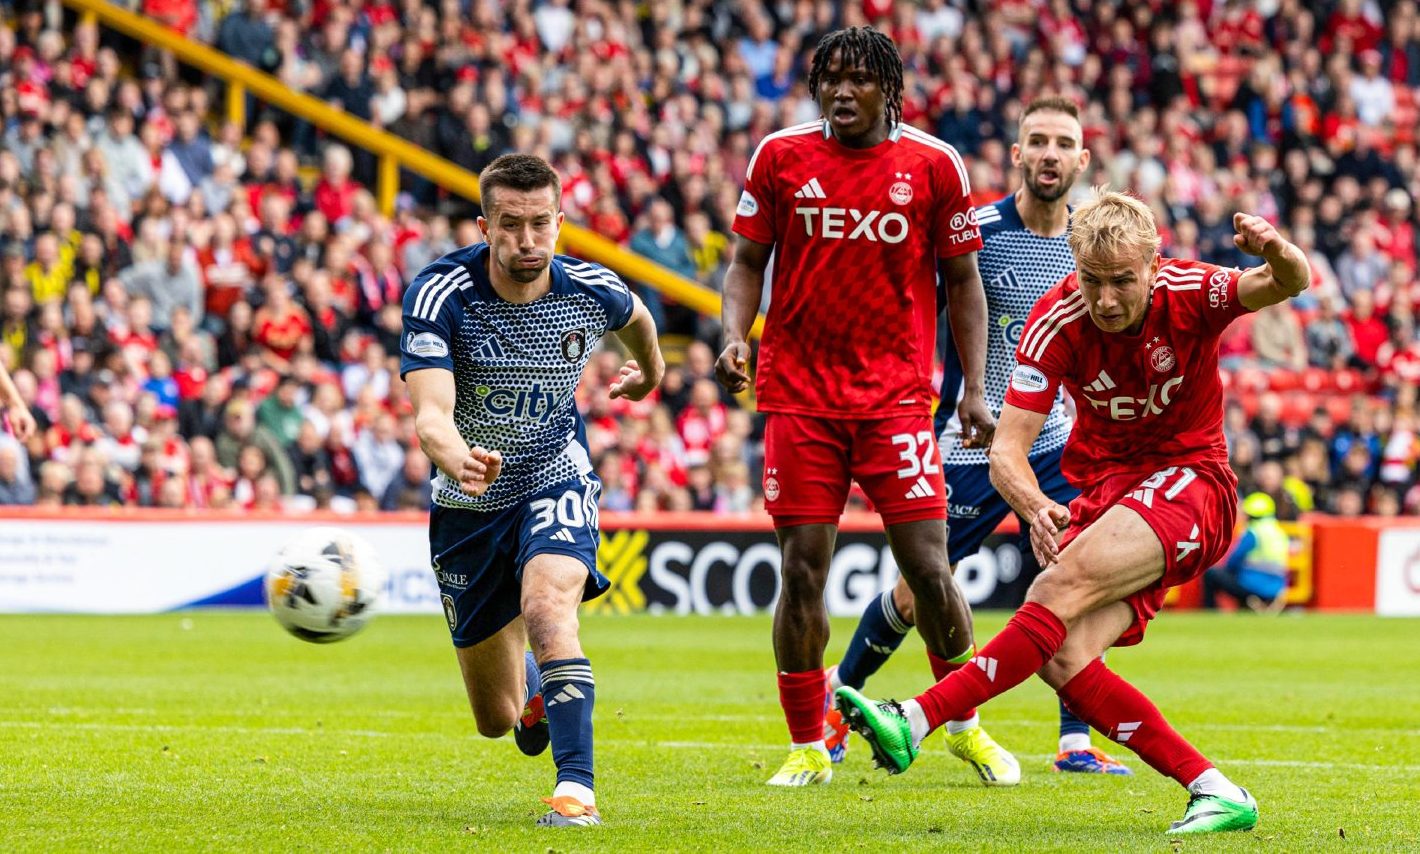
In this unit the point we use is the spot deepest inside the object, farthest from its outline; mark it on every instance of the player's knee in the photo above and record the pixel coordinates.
(1066, 593)
(801, 579)
(1062, 668)
(495, 716)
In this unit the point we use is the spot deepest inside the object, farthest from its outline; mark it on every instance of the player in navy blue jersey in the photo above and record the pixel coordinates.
(1024, 254)
(495, 339)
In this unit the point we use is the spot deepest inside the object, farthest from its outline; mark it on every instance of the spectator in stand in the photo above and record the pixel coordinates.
(663, 242)
(378, 454)
(166, 283)
(241, 431)
(15, 484)
(412, 488)
(1277, 339)
(1361, 267)
(1368, 331)
(280, 413)
(1276, 439)
(91, 486)
(1328, 338)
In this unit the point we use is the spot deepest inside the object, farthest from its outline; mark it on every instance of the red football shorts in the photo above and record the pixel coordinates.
(810, 463)
(1192, 510)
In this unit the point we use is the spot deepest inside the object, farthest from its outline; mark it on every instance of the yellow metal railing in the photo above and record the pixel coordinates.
(393, 152)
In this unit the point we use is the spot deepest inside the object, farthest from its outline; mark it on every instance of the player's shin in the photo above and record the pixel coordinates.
(879, 634)
(1031, 638)
(569, 693)
(1119, 710)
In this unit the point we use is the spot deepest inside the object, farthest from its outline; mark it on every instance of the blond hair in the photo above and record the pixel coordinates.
(1113, 227)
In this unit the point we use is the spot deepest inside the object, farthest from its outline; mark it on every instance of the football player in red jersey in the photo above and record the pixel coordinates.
(860, 213)
(1134, 339)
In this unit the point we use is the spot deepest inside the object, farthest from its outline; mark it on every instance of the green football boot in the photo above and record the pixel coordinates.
(1216, 814)
(883, 725)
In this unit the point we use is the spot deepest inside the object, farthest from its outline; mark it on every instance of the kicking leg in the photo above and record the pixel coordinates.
(495, 678)
(552, 589)
(800, 635)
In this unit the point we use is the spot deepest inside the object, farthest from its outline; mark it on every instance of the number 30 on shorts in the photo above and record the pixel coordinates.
(572, 509)
(919, 453)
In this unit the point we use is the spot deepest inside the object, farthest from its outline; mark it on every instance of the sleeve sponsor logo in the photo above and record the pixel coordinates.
(1029, 380)
(1218, 289)
(748, 205)
(426, 344)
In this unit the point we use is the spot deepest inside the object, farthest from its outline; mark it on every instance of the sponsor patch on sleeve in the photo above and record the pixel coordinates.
(748, 206)
(1029, 380)
(426, 344)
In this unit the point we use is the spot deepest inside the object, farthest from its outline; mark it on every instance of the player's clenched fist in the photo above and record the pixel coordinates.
(978, 425)
(732, 368)
(1045, 530)
(480, 468)
(1255, 235)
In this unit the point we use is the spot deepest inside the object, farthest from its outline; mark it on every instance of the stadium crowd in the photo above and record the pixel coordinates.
(207, 315)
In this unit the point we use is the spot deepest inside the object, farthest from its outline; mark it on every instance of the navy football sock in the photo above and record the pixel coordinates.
(569, 693)
(880, 633)
(534, 676)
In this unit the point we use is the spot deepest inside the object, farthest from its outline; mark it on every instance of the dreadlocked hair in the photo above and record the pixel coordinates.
(874, 51)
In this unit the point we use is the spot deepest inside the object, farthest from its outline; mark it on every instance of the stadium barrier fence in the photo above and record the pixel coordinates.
(141, 560)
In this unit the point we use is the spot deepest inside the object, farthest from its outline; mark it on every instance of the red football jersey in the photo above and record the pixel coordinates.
(857, 233)
(1145, 401)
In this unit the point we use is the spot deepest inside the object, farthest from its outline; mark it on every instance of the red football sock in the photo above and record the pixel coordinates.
(802, 696)
(1100, 698)
(1030, 639)
(942, 668)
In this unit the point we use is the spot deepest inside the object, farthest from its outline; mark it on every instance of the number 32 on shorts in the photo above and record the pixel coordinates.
(918, 452)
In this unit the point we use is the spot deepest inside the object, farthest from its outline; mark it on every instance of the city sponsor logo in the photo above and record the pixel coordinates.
(1218, 289)
(532, 403)
(1029, 380)
(748, 205)
(1129, 408)
(853, 224)
(426, 344)
(1011, 329)
(574, 344)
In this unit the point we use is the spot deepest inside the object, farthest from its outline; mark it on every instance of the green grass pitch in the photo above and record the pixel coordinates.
(217, 731)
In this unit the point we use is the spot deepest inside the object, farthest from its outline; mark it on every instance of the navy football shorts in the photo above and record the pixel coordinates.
(974, 508)
(479, 556)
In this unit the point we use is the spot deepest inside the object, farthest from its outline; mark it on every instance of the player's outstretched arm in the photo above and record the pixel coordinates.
(744, 287)
(1015, 480)
(966, 311)
(644, 371)
(1286, 272)
(22, 422)
(432, 391)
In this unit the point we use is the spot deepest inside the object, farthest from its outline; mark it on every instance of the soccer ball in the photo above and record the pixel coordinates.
(324, 585)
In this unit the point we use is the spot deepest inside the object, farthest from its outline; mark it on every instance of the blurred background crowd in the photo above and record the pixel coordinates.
(202, 314)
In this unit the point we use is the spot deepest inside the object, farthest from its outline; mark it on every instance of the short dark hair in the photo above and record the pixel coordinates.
(521, 172)
(1052, 104)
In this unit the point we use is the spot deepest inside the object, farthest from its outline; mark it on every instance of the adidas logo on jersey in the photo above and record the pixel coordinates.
(490, 349)
(921, 489)
(811, 190)
(564, 536)
(1102, 383)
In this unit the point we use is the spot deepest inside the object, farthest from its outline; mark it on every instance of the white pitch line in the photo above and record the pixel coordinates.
(619, 742)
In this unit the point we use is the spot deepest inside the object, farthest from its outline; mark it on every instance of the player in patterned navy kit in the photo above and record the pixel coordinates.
(861, 212)
(1024, 254)
(495, 339)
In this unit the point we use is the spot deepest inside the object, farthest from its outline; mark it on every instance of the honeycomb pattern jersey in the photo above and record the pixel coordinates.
(515, 366)
(856, 234)
(1017, 267)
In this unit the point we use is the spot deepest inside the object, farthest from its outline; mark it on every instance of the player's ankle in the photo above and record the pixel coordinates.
(916, 720)
(584, 794)
(1212, 782)
(955, 727)
(1073, 741)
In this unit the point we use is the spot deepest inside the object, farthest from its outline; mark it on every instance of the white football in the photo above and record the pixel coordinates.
(325, 585)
